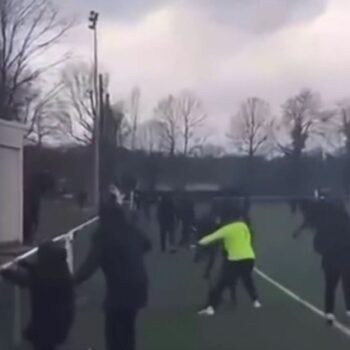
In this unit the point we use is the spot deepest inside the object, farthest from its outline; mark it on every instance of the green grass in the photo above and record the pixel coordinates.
(170, 321)
(59, 216)
(177, 290)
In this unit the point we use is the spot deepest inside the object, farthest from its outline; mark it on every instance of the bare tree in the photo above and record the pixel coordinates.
(28, 29)
(302, 118)
(123, 128)
(251, 127)
(338, 137)
(209, 150)
(148, 136)
(134, 114)
(339, 127)
(303, 121)
(180, 121)
(250, 131)
(167, 115)
(44, 124)
(345, 125)
(77, 102)
(191, 118)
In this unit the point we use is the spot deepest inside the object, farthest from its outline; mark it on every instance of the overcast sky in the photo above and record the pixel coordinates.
(224, 50)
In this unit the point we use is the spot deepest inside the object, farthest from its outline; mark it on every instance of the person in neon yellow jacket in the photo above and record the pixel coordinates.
(240, 259)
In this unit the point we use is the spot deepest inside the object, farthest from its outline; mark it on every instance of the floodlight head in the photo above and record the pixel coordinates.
(93, 17)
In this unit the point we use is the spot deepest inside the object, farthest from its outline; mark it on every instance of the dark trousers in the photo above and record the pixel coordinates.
(120, 330)
(167, 236)
(210, 262)
(231, 273)
(208, 255)
(334, 272)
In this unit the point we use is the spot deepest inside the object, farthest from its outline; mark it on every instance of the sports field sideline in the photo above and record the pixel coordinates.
(177, 290)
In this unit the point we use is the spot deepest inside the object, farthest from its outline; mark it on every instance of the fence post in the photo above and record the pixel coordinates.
(17, 318)
(68, 242)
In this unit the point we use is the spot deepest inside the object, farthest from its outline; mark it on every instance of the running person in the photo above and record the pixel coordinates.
(239, 261)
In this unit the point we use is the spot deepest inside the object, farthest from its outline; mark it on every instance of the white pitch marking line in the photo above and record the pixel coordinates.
(339, 326)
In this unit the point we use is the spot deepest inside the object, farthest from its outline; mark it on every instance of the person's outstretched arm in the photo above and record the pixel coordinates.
(17, 276)
(216, 236)
(91, 262)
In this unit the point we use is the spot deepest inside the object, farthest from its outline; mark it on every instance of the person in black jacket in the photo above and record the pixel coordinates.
(118, 248)
(167, 223)
(51, 293)
(186, 215)
(331, 224)
(207, 224)
(332, 242)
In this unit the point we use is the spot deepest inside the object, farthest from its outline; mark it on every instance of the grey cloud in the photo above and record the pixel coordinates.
(247, 15)
(121, 10)
(262, 15)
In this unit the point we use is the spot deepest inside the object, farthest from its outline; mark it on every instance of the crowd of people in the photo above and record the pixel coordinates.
(118, 248)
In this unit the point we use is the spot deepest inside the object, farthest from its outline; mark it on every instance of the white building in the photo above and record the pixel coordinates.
(11, 181)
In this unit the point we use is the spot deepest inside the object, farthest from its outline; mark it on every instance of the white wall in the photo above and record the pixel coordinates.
(11, 181)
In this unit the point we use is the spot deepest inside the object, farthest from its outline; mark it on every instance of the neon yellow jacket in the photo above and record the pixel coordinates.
(237, 241)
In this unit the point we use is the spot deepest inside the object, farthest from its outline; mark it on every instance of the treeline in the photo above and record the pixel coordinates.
(73, 169)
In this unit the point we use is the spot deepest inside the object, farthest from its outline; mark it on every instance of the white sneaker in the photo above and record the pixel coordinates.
(330, 318)
(208, 311)
(257, 304)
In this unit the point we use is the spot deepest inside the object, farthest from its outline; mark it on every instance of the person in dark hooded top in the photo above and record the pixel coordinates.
(187, 216)
(331, 225)
(166, 214)
(51, 294)
(205, 225)
(118, 249)
(332, 242)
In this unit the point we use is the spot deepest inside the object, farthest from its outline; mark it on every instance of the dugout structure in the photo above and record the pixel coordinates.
(11, 182)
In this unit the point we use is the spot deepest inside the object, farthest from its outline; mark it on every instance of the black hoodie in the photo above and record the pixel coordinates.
(51, 295)
(118, 248)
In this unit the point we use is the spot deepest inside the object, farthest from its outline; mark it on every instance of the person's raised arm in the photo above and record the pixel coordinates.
(26, 265)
